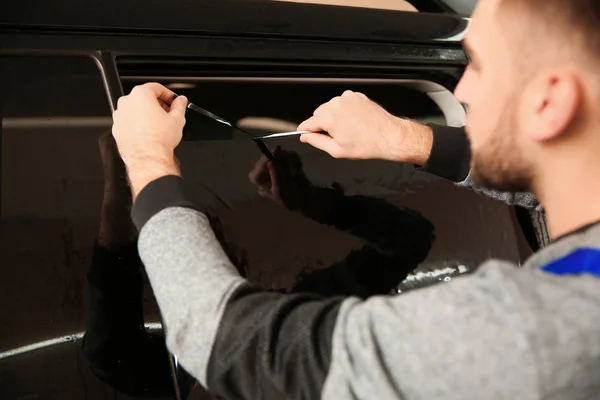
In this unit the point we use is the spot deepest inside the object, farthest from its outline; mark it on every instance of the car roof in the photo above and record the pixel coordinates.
(233, 17)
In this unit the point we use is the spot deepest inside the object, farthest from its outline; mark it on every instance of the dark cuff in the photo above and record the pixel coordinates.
(450, 156)
(159, 194)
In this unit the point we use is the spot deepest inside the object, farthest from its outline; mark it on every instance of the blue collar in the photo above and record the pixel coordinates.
(584, 261)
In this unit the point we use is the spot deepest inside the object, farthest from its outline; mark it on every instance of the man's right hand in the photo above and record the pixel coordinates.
(147, 129)
(359, 128)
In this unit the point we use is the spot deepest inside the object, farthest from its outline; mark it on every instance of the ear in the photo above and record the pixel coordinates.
(554, 102)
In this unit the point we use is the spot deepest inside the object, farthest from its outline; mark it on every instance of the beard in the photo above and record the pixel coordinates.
(500, 163)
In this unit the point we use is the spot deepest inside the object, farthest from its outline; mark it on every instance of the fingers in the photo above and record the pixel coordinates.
(313, 124)
(164, 105)
(159, 91)
(325, 107)
(322, 117)
(322, 142)
(164, 96)
(259, 175)
(295, 165)
(154, 90)
(275, 187)
(264, 176)
(178, 106)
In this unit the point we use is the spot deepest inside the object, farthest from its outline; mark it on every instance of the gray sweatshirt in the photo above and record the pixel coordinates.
(500, 333)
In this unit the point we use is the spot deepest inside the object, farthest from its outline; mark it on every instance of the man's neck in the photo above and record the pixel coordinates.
(571, 196)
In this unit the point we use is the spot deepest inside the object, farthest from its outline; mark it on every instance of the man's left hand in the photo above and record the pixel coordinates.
(147, 126)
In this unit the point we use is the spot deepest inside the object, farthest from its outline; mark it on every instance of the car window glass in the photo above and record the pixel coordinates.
(275, 245)
(76, 306)
(72, 290)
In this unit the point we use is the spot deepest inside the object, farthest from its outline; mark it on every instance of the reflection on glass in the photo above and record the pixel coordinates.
(395, 240)
(318, 224)
(120, 351)
(123, 354)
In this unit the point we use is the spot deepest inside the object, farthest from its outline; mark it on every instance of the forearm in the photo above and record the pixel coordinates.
(410, 142)
(212, 315)
(146, 170)
(243, 342)
(190, 274)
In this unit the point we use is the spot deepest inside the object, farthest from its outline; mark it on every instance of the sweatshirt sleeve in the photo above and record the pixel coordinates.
(450, 158)
(238, 340)
(243, 342)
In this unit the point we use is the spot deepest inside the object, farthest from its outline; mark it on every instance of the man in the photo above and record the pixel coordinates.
(500, 333)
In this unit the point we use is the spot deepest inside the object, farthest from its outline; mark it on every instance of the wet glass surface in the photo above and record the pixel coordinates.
(73, 290)
(67, 247)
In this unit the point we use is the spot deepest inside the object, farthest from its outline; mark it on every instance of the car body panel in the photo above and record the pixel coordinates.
(234, 18)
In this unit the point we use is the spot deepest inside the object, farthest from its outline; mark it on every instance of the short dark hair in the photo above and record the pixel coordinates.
(572, 19)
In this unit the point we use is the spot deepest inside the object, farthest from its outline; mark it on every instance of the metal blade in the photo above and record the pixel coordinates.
(282, 134)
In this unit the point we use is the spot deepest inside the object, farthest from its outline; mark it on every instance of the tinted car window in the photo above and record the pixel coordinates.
(277, 245)
(66, 248)
(53, 112)
(68, 253)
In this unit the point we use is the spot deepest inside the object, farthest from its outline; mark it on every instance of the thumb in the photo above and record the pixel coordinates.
(322, 142)
(178, 106)
(313, 124)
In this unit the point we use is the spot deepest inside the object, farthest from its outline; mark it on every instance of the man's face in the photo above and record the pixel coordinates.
(491, 88)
